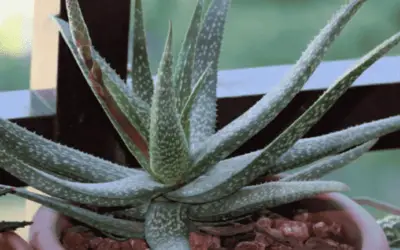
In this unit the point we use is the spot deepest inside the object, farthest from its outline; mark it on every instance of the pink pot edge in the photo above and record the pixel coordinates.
(13, 241)
(48, 224)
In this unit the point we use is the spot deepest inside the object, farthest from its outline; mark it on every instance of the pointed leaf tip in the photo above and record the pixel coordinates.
(169, 153)
(185, 63)
(225, 141)
(208, 48)
(320, 168)
(284, 141)
(79, 30)
(142, 81)
(130, 128)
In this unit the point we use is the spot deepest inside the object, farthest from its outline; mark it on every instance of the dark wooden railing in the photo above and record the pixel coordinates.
(71, 115)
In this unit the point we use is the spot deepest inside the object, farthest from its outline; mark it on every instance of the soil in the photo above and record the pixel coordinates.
(268, 231)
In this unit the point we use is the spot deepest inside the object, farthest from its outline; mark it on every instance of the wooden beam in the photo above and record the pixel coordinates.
(81, 123)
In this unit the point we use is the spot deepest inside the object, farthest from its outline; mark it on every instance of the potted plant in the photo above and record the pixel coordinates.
(188, 194)
(9, 240)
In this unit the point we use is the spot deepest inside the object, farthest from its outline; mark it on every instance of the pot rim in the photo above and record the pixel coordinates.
(12, 240)
(48, 224)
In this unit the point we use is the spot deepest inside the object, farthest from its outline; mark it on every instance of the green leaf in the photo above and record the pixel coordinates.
(106, 76)
(232, 136)
(10, 226)
(271, 153)
(184, 66)
(80, 34)
(308, 150)
(303, 152)
(52, 157)
(203, 115)
(142, 81)
(167, 227)
(325, 166)
(101, 222)
(132, 190)
(135, 109)
(169, 152)
(131, 134)
(252, 198)
(313, 114)
(188, 107)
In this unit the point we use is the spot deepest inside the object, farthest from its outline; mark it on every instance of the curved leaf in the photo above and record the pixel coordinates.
(134, 190)
(80, 34)
(232, 136)
(131, 134)
(124, 228)
(303, 152)
(325, 166)
(252, 198)
(56, 158)
(271, 153)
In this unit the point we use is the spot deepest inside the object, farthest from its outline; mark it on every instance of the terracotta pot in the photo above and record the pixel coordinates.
(12, 241)
(359, 226)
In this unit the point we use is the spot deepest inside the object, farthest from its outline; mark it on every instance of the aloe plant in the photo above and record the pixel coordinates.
(187, 180)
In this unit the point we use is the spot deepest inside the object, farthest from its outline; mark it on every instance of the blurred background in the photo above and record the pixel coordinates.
(258, 33)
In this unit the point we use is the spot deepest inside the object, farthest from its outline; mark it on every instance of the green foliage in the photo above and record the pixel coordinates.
(169, 126)
(7, 226)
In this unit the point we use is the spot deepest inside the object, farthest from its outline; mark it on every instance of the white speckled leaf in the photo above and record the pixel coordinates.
(310, 149)
(271, 153)
(169, 152)
(252, 198)
(325, 166)
(184, 65)
(123, 228)
(128, 132)
(80, 34)
(128, 191)
(303, 152)
(309, 118)
(137, 115)
(197, 190)
(233, 135)
(56, 158)
(141, 77)
(203, 116)
(167, 226)
(135, 109)
(188, 107)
